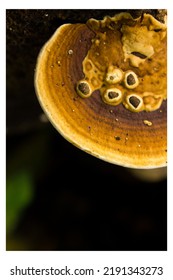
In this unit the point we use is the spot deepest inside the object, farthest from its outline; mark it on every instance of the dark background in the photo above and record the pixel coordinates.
(58, 197)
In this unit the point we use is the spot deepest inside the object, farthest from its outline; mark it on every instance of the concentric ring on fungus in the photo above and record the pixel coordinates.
(102, 83)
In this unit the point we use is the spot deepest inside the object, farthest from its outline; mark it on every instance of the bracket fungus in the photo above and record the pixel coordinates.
(98, 82)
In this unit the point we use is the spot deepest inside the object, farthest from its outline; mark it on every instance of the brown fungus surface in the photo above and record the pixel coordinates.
(130, 53)
(98, 82)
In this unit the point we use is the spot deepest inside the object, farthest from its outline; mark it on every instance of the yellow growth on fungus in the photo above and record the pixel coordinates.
(147, 122)
(126, 62)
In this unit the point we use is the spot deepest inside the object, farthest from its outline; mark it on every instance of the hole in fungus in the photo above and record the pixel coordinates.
(113, 94)
(83, 89)
(131, 79)
(114, 75)
(140, 55)
(134, 101)
(157, 30)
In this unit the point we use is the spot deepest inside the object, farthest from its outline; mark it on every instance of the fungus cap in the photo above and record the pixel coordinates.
(73, 73)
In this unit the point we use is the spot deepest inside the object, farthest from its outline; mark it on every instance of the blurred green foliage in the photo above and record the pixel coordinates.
(19, 194)
(26, 160)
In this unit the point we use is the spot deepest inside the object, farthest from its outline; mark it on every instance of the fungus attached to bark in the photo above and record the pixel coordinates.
(118, 65)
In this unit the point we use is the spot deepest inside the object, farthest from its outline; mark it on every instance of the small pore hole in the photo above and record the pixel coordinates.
(113, 94)
(134, 101)
(111, 78)
(131, 79)
(140, 55)
(157, 30)
(84, 88)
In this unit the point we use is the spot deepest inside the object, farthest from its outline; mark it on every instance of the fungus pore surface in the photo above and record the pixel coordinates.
(127, 58)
